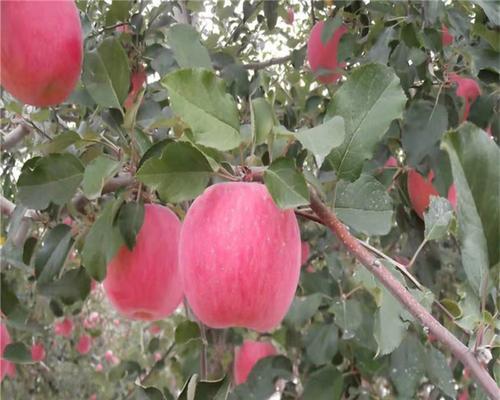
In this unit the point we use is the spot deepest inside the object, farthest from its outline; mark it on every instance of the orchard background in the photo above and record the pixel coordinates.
(176, 96)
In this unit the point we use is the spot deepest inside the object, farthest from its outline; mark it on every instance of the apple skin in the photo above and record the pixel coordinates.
(37, 352)
(137, 80)
(41, 50)
(305, 250)
(468, 89)
(452, 196)
(6, 367)
(322, 56)
(446, 36)
(64, 328)
(84, 344)
(239, 257)
(247, 355)
(145, 283)
(420, 190)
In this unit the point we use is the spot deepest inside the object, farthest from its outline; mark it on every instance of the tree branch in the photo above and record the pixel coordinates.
(14, 137)
(371, 262)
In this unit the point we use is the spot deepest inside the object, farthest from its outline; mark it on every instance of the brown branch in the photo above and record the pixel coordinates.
(370, 261)
(14, 137)
(268, 63)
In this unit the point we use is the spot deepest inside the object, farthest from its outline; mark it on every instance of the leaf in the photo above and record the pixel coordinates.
(101, 243)
(474, 162)
(106, 73)
(181, 173)
(286, 184)
(437, 218)
(348, 316)
(129, 220)
(271, 13)
(200, 98)
(148, 393)
(368, 101)
(97, 172)
(322, 139)
(407, 366)
(11, 307)
(321, 343)
(59, 143)
(53, 178)
(324, 384)
(188, 50)
(490, 8)
(439, 372)
(18, 353)
(73, 286)
(186, 331)
(364, 205)
(424, 125)
(329, 28)
(302, 309)
(52, 253)
(118, 11)
(205, 390)
(262, 120)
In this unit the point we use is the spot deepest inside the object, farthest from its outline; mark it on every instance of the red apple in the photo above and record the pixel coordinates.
(324, 57)
(420, 190)
(41, 50)
(391, 162)
(64, 328)
(154, 329)
(239, 257)
(99, 368)
(145, 283)
(137, 80)
(247, 355)
(452, 195)
(84, 344)
(304, 246)
(446, 36)
(468, 89)
(6, 367)
(290, 16)
(92, 321)
(37, 352)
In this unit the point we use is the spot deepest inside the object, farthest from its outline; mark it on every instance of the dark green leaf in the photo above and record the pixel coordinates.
(59, 143)
(11, 307)
(205, 390)
(271, 13)
(321, 343)
(97, 172)
(188, 50)
(73, 286)
(186, 331)
(437, 218)
(329, 28)
(324, 384)
(302, 309)
(129, 220)
(439, 372)
(148, 393)
(348, 316)
(262, 119)
(17, 353)
(490, 8)
(407, 366)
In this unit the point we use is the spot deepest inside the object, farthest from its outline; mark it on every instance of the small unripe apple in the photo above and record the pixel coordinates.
(41, 50)
(64, 328)
(468, 89)
(247, 355)
(304, 246)
(84, 344)
(145, 283)
(420, 190)
(37, 352)
(6, 367)
(324, 56)
(446, 36)
(239, 257)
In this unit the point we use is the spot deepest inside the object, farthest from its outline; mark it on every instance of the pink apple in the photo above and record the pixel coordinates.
(304, 247)
(420, 190)
(391, 162)
(246, 356)
(324, 56)
(157, 356)
(64, 328)
(41, 50)
(468, 89)
(37, 352)
(155, 329)
(84, 344)
(446, 36)
(111, 358)
(452, 195)
(137, 80)
(6, 367)
(92, 321)
(93, 397)
(99, 368)
(145, 283)
(239, 257)
(290, 16)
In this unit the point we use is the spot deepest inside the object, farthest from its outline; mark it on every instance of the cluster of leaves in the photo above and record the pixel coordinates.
(209, 109)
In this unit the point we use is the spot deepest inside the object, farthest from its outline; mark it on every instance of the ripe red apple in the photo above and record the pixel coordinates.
(64, 328)
(239, 257)
(391, 162)
(37, 352)
(137, 80)
(6, 367)
(290, 16)
(468, 89)
(145, 283)
(446, 36)
(84, 344)
(41, 50)
(304, 246)
(452, 196)
(247, 355)
(324, 57)
(420, 190)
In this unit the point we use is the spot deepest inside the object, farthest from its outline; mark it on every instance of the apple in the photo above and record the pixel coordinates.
(304, 246)
(446, 36)
(324, 56)
(420, 190)
(290, 16)
(452, 196)
(6, 367)
(84, 344)
(468, 89)
(137, 80)
(41, 50)
(145, 283)
(92, 321)
(155, 329)
(247, 355)
(99, 367)
(37, 352)
(64, 328)
(391, 162)
(239, 257)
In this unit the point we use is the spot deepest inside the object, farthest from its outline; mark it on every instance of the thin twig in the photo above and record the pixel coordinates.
(14, 137)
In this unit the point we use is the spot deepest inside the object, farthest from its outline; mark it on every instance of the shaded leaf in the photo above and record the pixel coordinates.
(130, 219)
(407, 366)
(271, 13)
(18, 353)
(321, 343)
(322, 139)
(73, 286)
(184, 40)
(97, 172)
(437, 218)
(439, 372)
(324, 384)
(302, 309)
(186, 331)
(262, 119)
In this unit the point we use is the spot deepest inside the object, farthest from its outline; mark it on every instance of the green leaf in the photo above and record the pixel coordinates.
(424, 125)
(54, 178)
(188, 50)
(118, 12)
(130, 219)
(262, 119)
(439, 371)
(437, 218)
(324, 384)
(329, 28)
(59, 143)
(51, 255)
(321, 343)
(271, 13)
(11, 307)
(407, 366)
(73, 286)
(181, 173)
(101, 243)
(302, 309)
(148, 393)
(322, 139)
(348, 316)
(368, 101)
(18, 353)
(186, 331)
(364, 205)
(286, 184)
(490, 8)
(106, 73)
(97, 172)
(474, 162)
(200, 98)
(205, 390)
